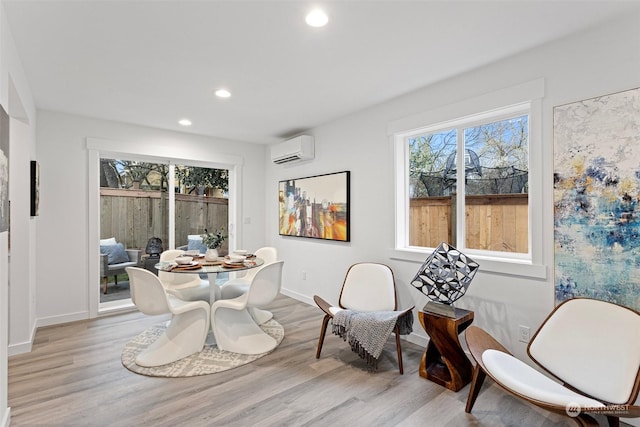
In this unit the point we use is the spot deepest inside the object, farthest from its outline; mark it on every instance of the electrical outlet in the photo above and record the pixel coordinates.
(304, 275)
(523, 333)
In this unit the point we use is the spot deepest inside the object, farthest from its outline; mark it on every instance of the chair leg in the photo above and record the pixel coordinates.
(585, 420)
(399, 349)
(323, 330)
(476, 384)
(613, 421)
(104, 285)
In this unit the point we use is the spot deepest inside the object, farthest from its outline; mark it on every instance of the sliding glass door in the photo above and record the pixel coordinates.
(147, 207)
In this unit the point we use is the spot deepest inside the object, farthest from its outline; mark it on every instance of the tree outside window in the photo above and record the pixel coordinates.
(494, 156)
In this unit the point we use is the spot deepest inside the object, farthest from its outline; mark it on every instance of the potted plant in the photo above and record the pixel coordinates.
(212, 240)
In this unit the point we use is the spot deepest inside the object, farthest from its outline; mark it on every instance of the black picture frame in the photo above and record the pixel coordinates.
(35, 188)
(316, 207)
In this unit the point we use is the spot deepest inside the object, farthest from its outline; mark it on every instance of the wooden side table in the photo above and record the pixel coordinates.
(444, 362)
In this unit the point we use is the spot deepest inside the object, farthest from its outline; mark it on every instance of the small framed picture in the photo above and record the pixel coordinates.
(35, 187)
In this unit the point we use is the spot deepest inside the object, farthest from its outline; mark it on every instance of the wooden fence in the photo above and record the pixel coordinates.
(134, 216)
(493, 222)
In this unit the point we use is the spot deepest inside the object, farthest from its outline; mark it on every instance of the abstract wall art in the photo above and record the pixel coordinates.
(596, 192)
(315, 207)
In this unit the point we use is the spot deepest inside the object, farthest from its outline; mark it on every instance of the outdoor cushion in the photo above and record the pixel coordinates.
(196, 244)
(115, 253)
(109, 241)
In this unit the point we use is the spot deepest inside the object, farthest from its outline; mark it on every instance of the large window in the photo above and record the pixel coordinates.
(467, 183)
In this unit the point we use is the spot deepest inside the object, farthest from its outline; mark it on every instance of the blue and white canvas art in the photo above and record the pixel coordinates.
(596, 192)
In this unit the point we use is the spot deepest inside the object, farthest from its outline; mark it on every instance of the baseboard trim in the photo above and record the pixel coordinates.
(24, 347)
(66, 318)
(297, 296)
(6, 420)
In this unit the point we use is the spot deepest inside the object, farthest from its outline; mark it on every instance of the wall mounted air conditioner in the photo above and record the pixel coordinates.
(295, 149)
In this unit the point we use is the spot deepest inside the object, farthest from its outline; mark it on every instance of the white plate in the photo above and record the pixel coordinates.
(190, 264)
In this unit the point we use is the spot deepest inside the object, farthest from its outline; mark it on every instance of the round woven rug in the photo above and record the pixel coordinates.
(209, 361)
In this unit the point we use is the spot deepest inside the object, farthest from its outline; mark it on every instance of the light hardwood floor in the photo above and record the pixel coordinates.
(74, 377)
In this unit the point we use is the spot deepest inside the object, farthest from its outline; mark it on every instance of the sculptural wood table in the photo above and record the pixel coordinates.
(445, 362)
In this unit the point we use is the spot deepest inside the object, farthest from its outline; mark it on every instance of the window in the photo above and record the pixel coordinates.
(467, 183)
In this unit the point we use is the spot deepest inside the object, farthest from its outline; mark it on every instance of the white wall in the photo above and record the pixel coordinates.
(63, 224)
(597, 62)
(18, 283)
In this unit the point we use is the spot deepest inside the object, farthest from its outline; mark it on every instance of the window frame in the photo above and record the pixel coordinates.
(483, 109)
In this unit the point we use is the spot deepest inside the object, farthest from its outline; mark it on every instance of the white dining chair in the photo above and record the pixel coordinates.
(234, 328)
(186, 286)
(186, 332)
(238, 286)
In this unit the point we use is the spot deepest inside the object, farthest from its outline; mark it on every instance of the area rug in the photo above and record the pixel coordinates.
(209, 361)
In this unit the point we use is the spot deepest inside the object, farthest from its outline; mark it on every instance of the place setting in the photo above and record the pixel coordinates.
(238, 258)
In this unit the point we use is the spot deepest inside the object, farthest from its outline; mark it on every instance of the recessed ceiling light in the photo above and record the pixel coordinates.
(317, 18)
(185, 122)
(223, 93)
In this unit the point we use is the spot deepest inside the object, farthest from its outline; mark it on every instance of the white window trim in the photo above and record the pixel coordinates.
(530, 93)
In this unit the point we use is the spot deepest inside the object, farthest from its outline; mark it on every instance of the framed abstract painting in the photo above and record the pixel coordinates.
(315, 207)
(596, 193)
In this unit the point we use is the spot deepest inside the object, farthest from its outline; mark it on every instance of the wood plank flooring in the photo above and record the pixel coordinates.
(74, 377)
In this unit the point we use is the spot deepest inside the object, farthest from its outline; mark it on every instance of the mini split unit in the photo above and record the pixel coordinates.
(293, 150)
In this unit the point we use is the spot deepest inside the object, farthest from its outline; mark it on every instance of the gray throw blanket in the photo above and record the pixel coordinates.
(367, 332)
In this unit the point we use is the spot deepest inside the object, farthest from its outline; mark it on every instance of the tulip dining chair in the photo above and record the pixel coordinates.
(238, 286)
(591, 347)
(186, 332)
(188, 287)
(234, 328)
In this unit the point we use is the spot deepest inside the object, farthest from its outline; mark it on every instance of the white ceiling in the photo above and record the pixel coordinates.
(155, 62)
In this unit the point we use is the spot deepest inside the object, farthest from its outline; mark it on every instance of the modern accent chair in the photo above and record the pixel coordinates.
(234, 328)
(367, 287)
(114, 259)
(235, 287)
(186, 286)
(187, 330)
(591, 347)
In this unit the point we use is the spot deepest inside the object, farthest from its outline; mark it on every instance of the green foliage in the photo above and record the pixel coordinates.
(125, 173)
(194, 177)
(213, 240)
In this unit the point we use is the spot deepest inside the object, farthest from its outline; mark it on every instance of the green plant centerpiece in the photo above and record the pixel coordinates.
(213, 240)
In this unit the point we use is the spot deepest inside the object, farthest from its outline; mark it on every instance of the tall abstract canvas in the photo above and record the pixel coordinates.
(596, 193)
